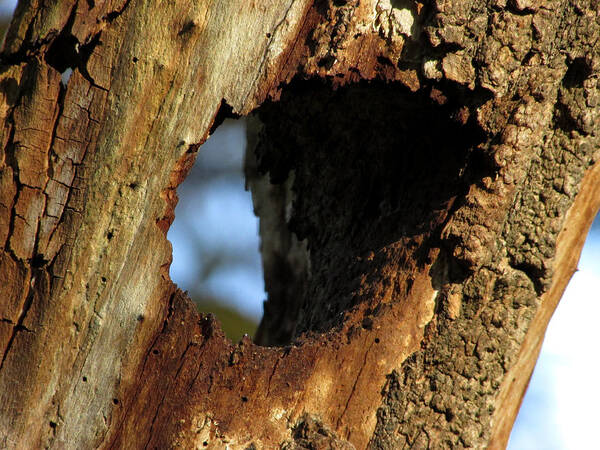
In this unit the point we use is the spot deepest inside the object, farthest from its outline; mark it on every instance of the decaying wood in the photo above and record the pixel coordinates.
(440, 160)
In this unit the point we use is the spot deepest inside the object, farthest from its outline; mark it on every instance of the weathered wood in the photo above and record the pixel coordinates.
(443, 206)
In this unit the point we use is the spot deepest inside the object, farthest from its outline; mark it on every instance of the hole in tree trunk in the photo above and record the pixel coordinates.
(372, 173)
(214, 236)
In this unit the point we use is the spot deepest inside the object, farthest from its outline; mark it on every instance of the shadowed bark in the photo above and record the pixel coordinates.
(425, 176)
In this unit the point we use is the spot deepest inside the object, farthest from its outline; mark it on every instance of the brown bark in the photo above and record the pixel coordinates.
(438, 212)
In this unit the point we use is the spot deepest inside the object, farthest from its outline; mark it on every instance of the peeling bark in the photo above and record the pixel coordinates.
(425, 177)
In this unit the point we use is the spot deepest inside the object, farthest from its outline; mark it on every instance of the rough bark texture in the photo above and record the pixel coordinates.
(425, 175)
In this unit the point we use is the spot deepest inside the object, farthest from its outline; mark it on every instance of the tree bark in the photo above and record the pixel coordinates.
(425, 176)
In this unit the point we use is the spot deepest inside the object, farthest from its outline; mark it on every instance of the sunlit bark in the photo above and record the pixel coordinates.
(425, 175)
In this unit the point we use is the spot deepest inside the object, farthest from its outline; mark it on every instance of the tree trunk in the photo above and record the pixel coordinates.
(425, 176)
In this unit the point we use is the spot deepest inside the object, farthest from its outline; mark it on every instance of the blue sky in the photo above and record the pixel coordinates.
(7, 7)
